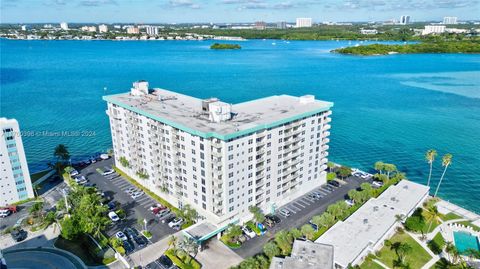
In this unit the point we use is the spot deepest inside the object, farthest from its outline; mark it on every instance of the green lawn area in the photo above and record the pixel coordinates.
(450, 216)
(437, 243)
(416, 258)
(37, 176)
(370, 265)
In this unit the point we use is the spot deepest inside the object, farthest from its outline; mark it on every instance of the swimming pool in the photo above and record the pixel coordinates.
(464, 241)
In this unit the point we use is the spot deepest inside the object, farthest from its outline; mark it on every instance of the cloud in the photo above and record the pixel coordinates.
(393, 5)
(183, 3)
(96, 3)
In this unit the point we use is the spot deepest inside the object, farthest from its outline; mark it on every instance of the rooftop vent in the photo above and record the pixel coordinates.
(307, 99)
(365, 221)
(375, 208)
(139, 88)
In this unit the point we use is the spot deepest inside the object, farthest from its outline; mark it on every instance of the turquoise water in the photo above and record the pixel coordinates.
(391, 108)
(465, 241)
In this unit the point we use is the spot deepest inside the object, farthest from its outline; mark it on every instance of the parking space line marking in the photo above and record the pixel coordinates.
(307, 201)
(292, 206)
(299, 204)
(302, 202)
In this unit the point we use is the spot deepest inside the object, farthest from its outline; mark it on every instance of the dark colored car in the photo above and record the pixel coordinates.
(136, 237)
(112, 205)
(18, 235)
(164, 262)
(169, 219)
(273, 218)
(328, 187)
(334, 183)
(128, 247)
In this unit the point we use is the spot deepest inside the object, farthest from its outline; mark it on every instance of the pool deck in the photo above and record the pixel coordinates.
(445, 207)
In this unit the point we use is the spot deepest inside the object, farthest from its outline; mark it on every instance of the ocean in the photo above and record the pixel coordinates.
(390, 108)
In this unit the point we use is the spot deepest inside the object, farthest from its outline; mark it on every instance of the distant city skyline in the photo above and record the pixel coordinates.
(229, 11)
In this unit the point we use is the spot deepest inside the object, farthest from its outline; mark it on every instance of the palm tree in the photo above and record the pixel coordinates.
(449, 247)
(431, 215)
(430, 157)
(61, 152)
(379, 166)
(446, 161)
(172, 241)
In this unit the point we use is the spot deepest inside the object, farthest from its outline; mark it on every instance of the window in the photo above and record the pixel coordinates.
(230, 148)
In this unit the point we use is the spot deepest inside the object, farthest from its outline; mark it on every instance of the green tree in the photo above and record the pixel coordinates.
(401, 249)
(366, 187)
(172, 241)
(124, 162)
(379, 166)
(295, 233)
(262, 261)
(61, 153)
(257, 214)
(36, 209)
(331, 176)
(271, 249)
(431, 215)
(189, 213)
(446, 161)
(354, 195)
(344, 171)
(284, 241)
(308, 231)
(430, 157)
(330, 166)
(234, 231)
(327, 219)
(389, 168)
(70, 228)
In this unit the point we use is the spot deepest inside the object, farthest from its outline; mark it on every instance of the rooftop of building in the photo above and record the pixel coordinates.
(372, 221)
(185, 112)
(306, 255)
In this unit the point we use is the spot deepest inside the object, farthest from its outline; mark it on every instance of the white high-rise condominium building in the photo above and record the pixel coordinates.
(151, 30)
(433, 29)
(303, 22)
(102, 28)
(405, 19)
(64, 26)
(449, 20)
(15, 183)
(217, 157)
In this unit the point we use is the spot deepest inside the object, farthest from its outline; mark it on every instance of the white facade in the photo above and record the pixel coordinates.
(433, 29)
(368, 31)
(151, 30)
(303, 22)
(64, 26)
(405, 19)
(449, 20)
(15, 183)
(133, 30)
(102, 28)
(250, 155)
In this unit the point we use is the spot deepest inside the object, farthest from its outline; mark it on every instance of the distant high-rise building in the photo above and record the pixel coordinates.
(405, 19)
(449, 20)
(260, 25)
(64, 26)
(433, 29)
(151, 30)
(103, 28)
(89, 28)
(281, 25)
(303, 22)
(133, 30)
(24, 28)
(15, 183)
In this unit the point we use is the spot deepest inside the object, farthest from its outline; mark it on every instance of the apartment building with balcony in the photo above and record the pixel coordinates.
(15, 183)
(217, 157)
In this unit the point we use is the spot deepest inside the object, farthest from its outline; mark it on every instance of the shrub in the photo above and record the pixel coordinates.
(331, 176)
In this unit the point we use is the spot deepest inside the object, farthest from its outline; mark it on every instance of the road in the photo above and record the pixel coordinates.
(303, 209)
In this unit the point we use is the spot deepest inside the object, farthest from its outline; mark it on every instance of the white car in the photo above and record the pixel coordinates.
(5, 213)
(108, 172)
(137, 194)
(121, 236)
(285, 212)
(113, 216)
(377, 184)
(74, 173)
(175, 222)
(350, 202)
(248, 231)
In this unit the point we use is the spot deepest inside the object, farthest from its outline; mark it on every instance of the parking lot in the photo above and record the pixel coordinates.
(137, 210)
(302, 210)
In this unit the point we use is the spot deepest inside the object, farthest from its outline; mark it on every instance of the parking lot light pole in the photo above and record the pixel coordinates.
(145, 221)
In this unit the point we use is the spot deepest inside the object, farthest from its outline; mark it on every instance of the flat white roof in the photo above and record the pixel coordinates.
(185, 112)
(368, 225)
(306, 255)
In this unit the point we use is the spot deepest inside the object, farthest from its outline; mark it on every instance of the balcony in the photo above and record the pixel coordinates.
(260, 183)
(325, 147)
(216, 144)
(323, 167)
(325, 140)
(328, 113)
(262, 134)
(327, 120)
(261, 142)
(261, 151)
(326, 133)
(327, 126)
(324, 160)
(217, 154)
(260, 175)
(260, 167)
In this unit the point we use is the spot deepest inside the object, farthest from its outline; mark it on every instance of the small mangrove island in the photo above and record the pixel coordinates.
(218, 46)
(470, 46)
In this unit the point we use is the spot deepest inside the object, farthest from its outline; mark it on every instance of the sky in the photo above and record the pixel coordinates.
(228, 11)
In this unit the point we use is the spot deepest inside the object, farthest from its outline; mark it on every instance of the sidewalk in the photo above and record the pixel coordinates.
(43, 238)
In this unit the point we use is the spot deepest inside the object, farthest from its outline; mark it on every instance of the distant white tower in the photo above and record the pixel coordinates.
(449, 20)
(405, 19)
(64, 26)
(103, 28)
(303, 22)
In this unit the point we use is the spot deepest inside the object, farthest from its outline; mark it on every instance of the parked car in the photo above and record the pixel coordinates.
(350, 202)
(164, 261)
(314, 226)
(274, 218)
(113, 216)
(285, 212)
(328, 187)
(248, 232)
(318, 194)
(169, 219)
(121, 236)
(163, 213)
(127, 246)
(19, 235)
(135, 236)
(175, 222)
(377, 184)
(242, 238)
(130, 190)
(312, 196)
(112, 205)
(137, 194)
(269, 223)
(108, 172)
(334, 183)
(73, 173)
(5, 213)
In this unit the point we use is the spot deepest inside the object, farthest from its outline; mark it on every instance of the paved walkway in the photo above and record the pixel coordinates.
(445, 207)
(43, 238)
(381, 264)
(152, 252)
(434, 256)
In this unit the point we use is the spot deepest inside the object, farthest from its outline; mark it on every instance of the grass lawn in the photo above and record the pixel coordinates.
(370, 265)
(416, 258)
(78, 249)
(437, 243)
(450, 216)
(37, 176)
